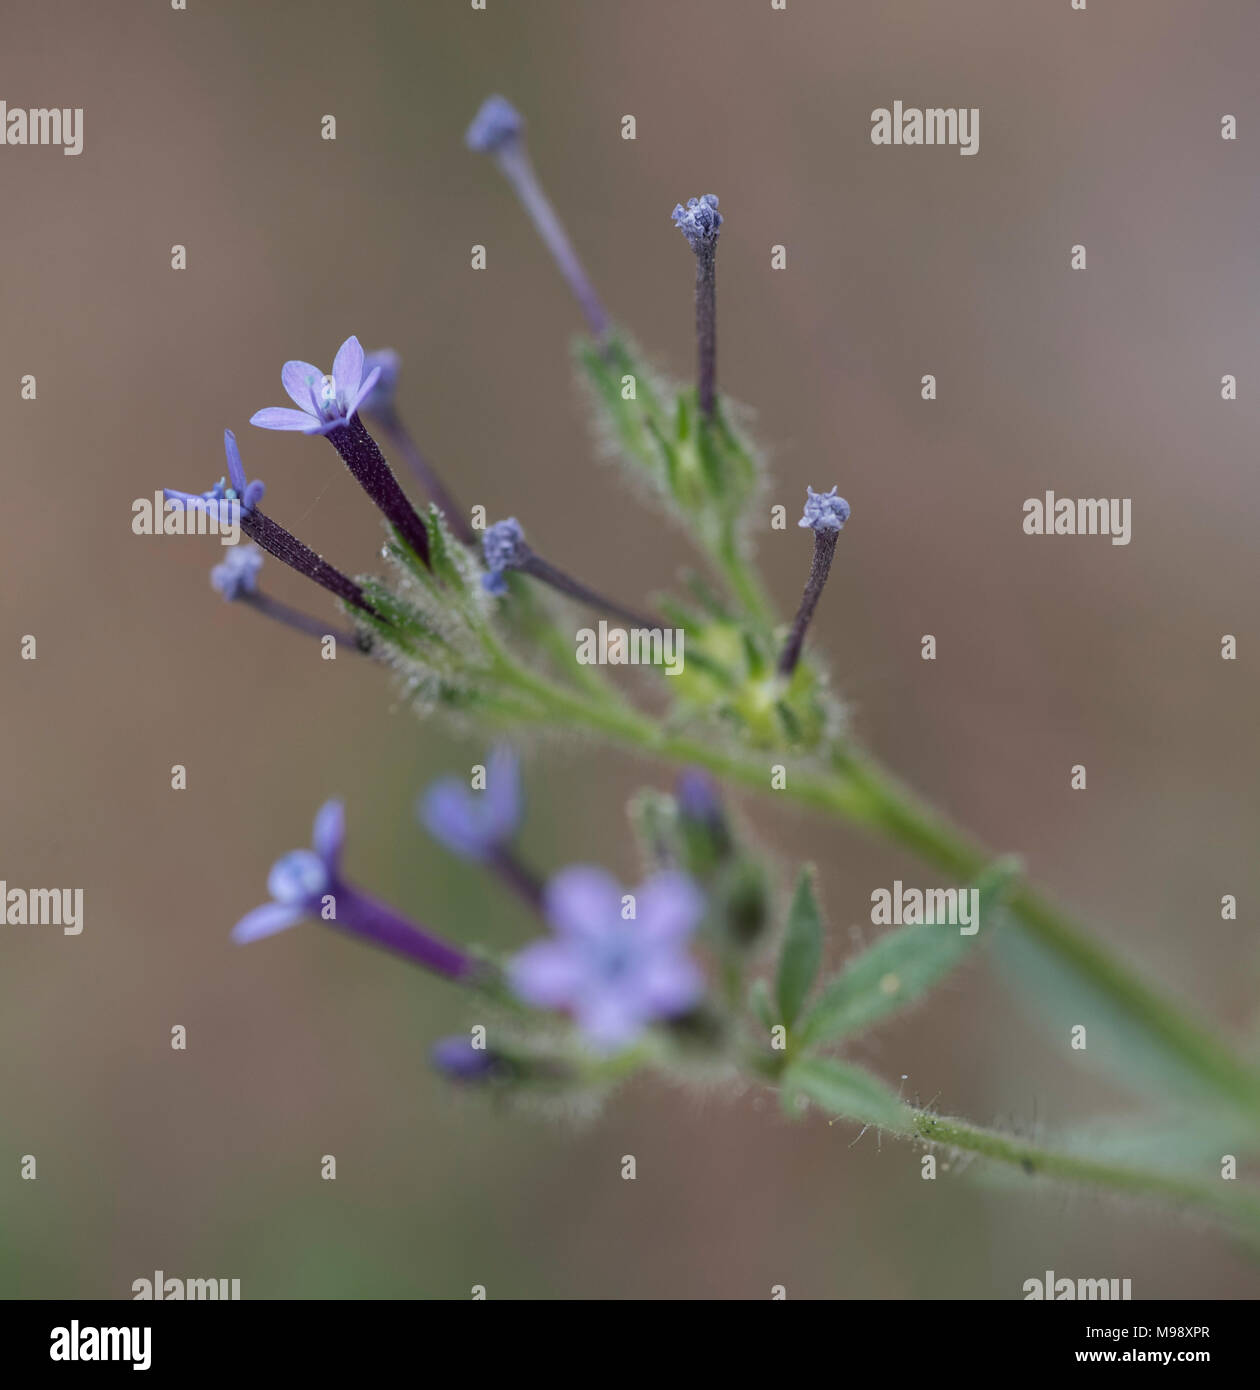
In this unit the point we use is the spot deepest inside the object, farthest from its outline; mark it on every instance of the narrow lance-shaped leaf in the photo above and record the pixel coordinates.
(802, 948)
(902, 966)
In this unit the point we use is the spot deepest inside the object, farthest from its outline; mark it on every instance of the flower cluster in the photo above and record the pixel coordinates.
(700, 969)
(613, 970)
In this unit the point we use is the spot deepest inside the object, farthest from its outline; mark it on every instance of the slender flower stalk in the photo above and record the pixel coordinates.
(380, 403)
(498, 129)
(505, 548)
(303, 622)
(825, 514)
(517, 876)
(286, 548)
(362, 456)
(269, 534)
(236, 578)
(700, 222)
(309, 883)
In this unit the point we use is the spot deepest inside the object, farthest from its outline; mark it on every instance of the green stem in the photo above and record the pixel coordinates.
(1219, 1196)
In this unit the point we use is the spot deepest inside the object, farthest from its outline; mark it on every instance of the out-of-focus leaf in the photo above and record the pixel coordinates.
(802, 948)
(762, 1006)
(846, 1091)
(902, 966)
(1116, 1041)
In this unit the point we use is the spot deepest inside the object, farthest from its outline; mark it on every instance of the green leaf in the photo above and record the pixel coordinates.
(754, 656)
(441, 560)
(1118, 1040)
(1188, 1144)
(761, 1005)
(847, 1092)
(901, 966)
(802, 948)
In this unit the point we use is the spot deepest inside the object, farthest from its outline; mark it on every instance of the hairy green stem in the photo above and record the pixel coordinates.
(1219, 1196)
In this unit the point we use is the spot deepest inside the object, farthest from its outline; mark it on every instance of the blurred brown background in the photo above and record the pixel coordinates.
(202, 128)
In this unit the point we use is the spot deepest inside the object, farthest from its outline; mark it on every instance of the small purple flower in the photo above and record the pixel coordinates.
(325, 403)
(300, 883)
(497, 123)
(458, 1060)
(248, 494)
(380, 399)
(614, 976)
(238, 574)
(697, 795)
(824, 511)
(699, 221)
(475, 824)
(300, 880)
(503, 547)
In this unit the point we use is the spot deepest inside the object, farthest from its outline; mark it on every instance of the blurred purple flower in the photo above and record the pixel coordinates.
(325, 403)
(380, 398)
(238, 574)
(475, 824)
(457, 1059)
(305, 881)
(498, 129)
(300, 880)
(497, 123)
(614, 976)
(503, 548)
(697, 795)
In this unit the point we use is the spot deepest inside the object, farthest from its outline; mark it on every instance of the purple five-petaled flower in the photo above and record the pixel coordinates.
(475, 824)
(380, 398)
(615, 976)
(233, 488)
(325, 403)
(237, 575)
